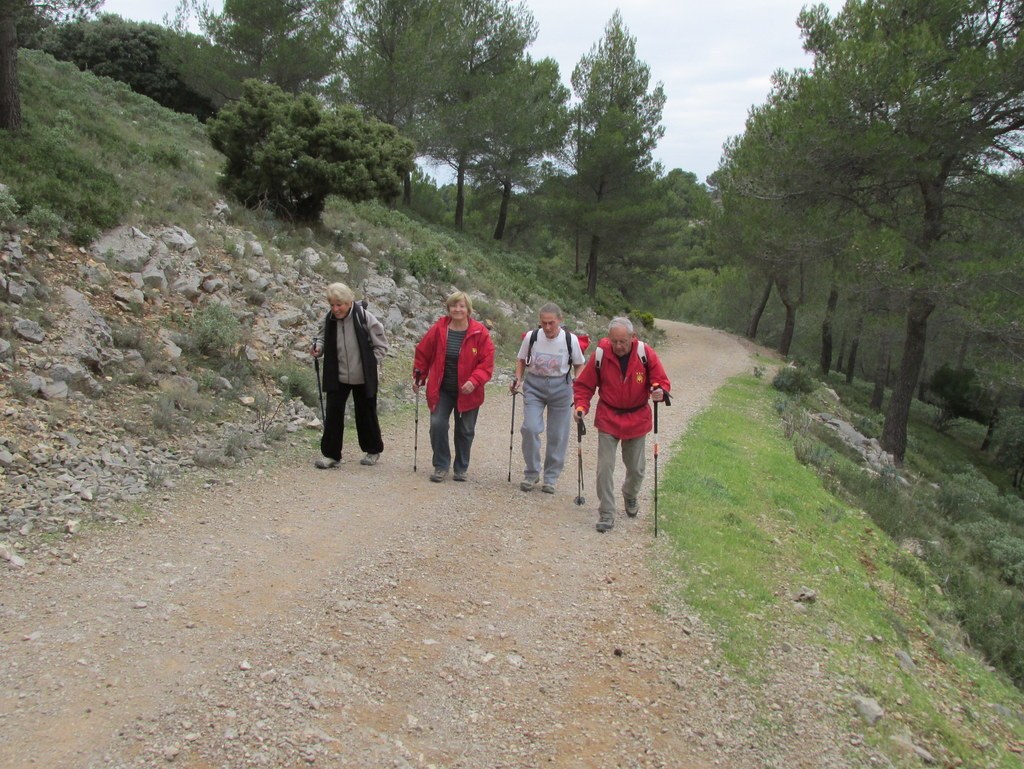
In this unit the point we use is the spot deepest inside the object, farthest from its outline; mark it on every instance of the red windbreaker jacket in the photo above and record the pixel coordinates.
(622, 406)
(476, 362)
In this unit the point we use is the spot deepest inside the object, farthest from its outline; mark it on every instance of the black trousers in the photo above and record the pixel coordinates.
(367, 426)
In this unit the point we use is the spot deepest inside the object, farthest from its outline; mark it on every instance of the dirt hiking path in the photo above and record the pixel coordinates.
(365, 617)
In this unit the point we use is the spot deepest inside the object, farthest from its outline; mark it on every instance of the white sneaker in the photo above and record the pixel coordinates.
(369, 459)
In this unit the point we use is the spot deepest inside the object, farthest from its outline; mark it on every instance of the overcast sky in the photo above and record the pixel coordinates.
(715, 59)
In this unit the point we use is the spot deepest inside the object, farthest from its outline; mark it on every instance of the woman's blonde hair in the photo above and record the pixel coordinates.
(339, 292)
(459, 296)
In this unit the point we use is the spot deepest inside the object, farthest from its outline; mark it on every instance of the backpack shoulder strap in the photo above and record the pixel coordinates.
(529, 349)
(598, 355)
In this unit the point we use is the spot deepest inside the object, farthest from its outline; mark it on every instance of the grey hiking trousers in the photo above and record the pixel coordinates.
(554, 394)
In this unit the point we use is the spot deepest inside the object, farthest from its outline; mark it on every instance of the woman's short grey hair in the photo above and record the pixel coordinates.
(339, 292)
(551, 308)
(621, 322)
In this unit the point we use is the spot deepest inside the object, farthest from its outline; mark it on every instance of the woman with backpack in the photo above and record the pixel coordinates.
(546, 357)
(352, 343)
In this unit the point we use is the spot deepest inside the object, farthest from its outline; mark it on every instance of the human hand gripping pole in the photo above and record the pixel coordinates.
(581, 430)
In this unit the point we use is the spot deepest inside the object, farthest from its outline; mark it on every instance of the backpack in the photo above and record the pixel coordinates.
(641, 352)
(583, 339)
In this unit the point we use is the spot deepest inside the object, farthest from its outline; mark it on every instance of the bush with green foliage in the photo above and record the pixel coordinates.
(793, 380)
(958, 395)
(1009, 440)
(136, 53)
(288, 153)
(645, 319)
(297, 381)
(8, 208)
(214, 331)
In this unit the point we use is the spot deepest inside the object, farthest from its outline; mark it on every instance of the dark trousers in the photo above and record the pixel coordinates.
(367, 426)
(465, 429)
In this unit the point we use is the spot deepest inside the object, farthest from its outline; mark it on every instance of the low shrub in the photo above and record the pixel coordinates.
(297, 381)
(793, 381)
(213, 330)
(967, 496)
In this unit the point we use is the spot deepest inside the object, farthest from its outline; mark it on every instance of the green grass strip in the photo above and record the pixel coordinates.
(750, 526)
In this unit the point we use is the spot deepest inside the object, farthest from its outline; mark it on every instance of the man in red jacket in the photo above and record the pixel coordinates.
(628, 373)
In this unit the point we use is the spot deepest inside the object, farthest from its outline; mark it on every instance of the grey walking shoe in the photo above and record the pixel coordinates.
(631, 507)
(548, 488)
(325, 463)
(369, 459)
(438, 476)
(605, 523)
(528, 485)
(457, 476)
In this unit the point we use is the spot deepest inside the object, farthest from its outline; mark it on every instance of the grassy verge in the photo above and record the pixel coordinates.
(750, 527)
(92, 154)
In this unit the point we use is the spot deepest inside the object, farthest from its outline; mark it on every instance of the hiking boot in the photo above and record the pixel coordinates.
(605, 523)
(528, 485)
(632, 508)
(548, 488)
(369, 459)
(326, 463)
(457, 476)
(438, 475)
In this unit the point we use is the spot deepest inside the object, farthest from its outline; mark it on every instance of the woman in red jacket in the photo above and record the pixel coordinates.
(454, 359)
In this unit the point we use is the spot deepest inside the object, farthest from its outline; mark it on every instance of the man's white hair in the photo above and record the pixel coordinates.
(621, 322)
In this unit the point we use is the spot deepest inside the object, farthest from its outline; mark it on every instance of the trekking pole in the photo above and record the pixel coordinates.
(668, 402)
(416, 428)
(511, 432)
(581, 430)
(655, 468)
(319, 388)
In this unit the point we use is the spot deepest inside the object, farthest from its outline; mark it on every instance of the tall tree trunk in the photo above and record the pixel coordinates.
(595, 241)
(407, 188)
(842, 353)
(10, 93)
(961, 357)
(826, 330)
(894, 431)
(460, 194)
(506, 196)
(755, 319)
(883, 364)
(790, 326)
(851, 362)
(922, 382)
(993, 420)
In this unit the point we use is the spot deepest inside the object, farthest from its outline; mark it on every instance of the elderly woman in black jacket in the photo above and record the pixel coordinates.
(353, 345)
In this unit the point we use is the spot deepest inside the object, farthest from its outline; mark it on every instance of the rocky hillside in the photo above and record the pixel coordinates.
(144, 355)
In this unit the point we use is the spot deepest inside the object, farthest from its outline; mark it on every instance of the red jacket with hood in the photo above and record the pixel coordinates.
(622, 405)
(476, 362)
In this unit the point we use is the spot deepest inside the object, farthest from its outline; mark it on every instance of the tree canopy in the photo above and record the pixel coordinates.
(289, 154)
